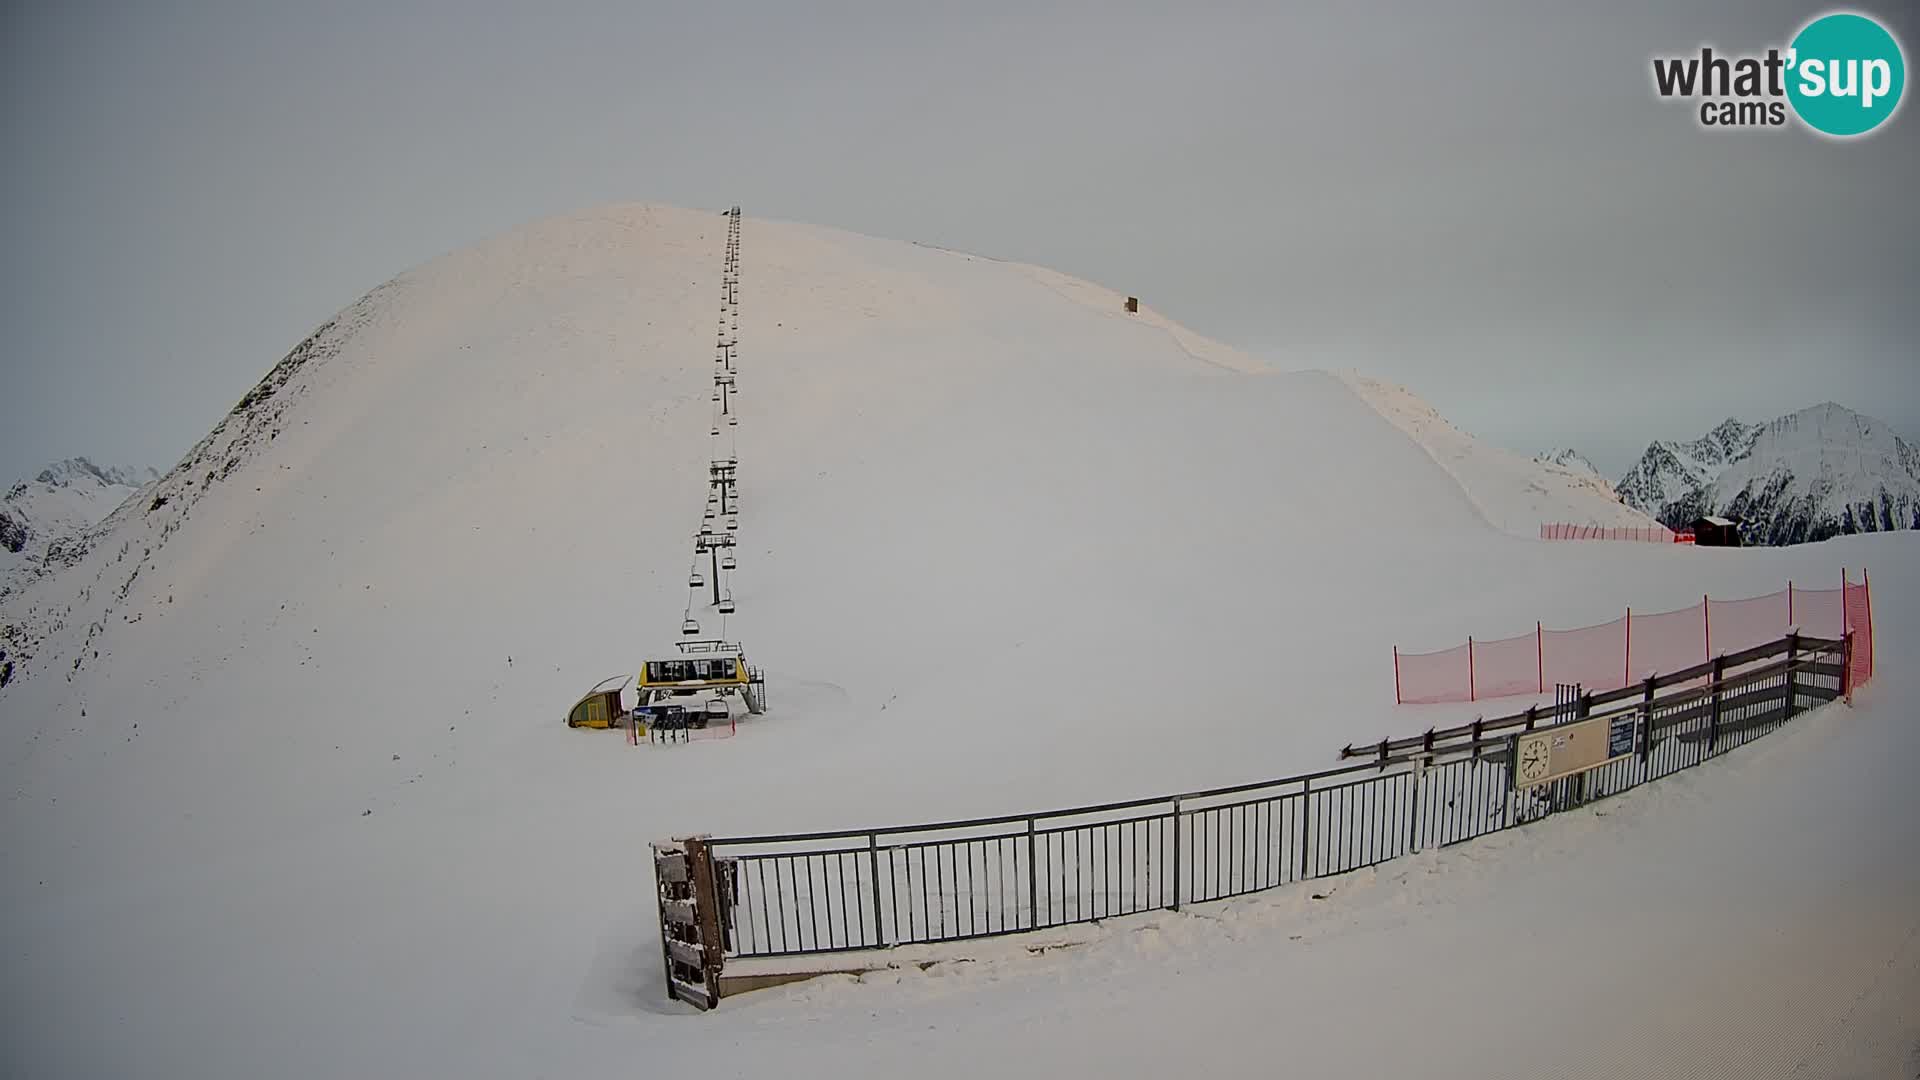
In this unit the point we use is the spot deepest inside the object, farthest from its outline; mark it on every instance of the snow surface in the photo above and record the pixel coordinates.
(1516, 494)
(289, 793)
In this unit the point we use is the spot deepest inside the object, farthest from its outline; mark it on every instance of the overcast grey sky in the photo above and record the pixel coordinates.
(1486, 202)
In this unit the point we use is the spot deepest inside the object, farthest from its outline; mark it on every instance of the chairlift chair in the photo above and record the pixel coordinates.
(689, 627)
(726, 603)
(727, 563)
(696, 580)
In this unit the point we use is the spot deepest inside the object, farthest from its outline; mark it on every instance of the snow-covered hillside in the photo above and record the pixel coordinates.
(1822, 471)
(287, 788)
(1514, 493)
(42, 519)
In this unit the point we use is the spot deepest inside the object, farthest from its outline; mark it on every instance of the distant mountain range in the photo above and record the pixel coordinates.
(41, 517)
(1820, 472)
(1573, 460)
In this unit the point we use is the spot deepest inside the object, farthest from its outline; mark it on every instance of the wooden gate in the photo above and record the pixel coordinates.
(691, 924)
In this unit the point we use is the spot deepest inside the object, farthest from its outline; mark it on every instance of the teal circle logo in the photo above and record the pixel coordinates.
(1845, 74)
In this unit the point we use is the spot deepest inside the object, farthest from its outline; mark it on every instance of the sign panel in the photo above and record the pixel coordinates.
(1620, 735)
(1558, 752)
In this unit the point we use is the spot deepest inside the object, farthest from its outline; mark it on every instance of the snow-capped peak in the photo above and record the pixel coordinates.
(1569, 459)
(80, 470)
(44, 516)
(1818, 472)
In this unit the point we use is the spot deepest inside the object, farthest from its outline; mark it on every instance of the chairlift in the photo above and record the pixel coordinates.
(727, 563)
(733, 524)
(733, 419)
(726, 603)
(696, 580)
(689, 627)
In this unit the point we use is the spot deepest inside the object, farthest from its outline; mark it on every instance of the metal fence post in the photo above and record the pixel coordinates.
(1033, 886)
(1413, 802)
(1176, 853)
(1513, 772)
(873, 862)
(1306, 824)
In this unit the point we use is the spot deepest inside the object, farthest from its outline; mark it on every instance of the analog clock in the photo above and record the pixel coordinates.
(1533, 760)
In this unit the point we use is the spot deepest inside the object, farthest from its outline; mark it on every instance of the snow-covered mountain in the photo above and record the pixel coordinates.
(284, 753)
(1820, 472)
(1671, 476)
(42, 519)
(1569, 459)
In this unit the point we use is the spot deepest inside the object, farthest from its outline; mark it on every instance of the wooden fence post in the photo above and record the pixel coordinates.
(1713, 714)
(1793, 655)
(1646, 725)
(1472, 693)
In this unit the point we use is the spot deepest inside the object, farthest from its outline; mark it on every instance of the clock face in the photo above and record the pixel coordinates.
(1533, 759)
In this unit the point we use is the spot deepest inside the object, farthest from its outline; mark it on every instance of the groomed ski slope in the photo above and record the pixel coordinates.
(1003, 546)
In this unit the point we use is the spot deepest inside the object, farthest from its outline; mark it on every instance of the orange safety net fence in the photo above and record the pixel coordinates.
(1649, 534)
(1636, 646)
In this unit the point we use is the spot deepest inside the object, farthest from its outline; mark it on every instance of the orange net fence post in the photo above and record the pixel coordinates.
(1431, 678)
(1819, 612)
(1668, 641)
(1742, 624)
(1507, 667)
(1593, 656)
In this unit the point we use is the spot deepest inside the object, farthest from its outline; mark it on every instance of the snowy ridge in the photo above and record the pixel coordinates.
(42, 604)
(1820, 472)
(1675, 473)
(1569, 459)
(1514, 493)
